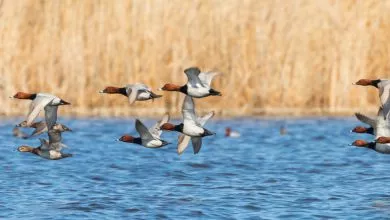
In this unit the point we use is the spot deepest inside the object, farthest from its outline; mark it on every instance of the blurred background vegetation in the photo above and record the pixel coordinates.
(278, 57)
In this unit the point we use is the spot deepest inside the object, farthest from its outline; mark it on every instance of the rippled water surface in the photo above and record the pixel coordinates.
(309, 173)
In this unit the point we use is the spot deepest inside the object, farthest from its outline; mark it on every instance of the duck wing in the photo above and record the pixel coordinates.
(196, 144)
(40, 127)
(143, 131)
(384, 95)
(134, 90)
(37, 105)
(51, 115)
(55, 139)
(193, 77)
(184, 140)
(207, 77)
(188, 111)
(155, 130)
(365, 119)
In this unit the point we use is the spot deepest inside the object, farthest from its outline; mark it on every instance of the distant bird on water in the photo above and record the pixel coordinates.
(230, 133)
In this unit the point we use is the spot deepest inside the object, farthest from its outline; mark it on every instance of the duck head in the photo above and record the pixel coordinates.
(23, 95)
(360, 143)
(25, 149)
(168, 127)
(127, 139)
(383, 140)
(170, 87)
(361, 130)
(61, 128)
(228, 130)
(368, 82)
(23, 124)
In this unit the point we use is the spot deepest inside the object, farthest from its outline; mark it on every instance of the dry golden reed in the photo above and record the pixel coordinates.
(278, 57)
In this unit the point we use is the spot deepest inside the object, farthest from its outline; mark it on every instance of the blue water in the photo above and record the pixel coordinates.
(309, 173)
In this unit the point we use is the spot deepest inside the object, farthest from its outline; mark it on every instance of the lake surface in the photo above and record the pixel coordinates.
(309, 173)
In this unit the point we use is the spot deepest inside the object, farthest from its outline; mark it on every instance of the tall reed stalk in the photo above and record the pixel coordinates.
(278, 57)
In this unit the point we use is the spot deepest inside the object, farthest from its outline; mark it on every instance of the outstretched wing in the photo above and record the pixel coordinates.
(196, 144)
(134, 90)
(193, 77)
(143, 131)
(365, 119)
(36, 106)
(40, 127)
(188, 110)
(55, 139)
(155, 130)
(384, 95)
(184, 140)
(207, 77)
(51, 116)
(202, 120)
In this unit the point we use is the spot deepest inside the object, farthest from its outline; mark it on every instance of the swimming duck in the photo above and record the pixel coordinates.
(384, 91)
(134, 92)
(230, 133)
(191, 126)
(148, 138)
(41, 101)
(184, 140)
(198, 85)
(51, 149)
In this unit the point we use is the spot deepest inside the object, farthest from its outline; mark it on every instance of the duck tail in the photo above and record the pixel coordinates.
(207, 132)
(154, 95)
(214, 92)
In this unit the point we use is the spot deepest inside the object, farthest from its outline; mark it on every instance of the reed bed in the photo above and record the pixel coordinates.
(277, 57)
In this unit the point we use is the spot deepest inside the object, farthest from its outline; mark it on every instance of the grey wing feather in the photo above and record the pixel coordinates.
(207, 77)
(134, 90)
(143, 131)
(183, 142)
(365, 119)
(155, 130)
(36, 106)
(196, 144)
(39, 129)
(51, 116)
(202, 120)
(193, 76)
(188, 109)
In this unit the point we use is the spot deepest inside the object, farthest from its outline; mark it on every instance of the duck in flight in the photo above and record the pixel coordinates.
(134, 92)
(42, 101)
(192, 126)
(149, 138)
(52, 149)
(198, 85)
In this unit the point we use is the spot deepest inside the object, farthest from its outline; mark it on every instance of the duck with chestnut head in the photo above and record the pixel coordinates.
(149, 138)
(42, 101)
(384, 92)
(192, 126)
(134, 92)
(52, 149)
(198, 85)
